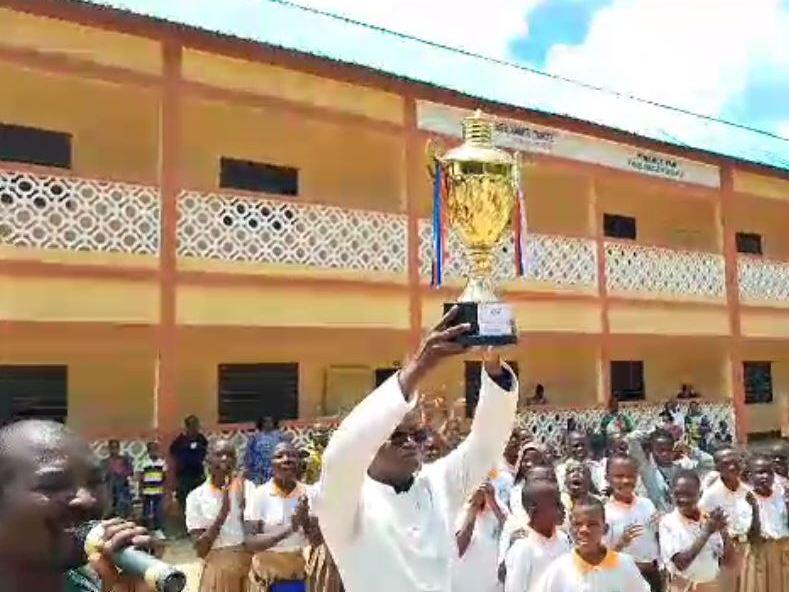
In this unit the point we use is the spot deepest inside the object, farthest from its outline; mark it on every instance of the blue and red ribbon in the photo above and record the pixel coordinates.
(439, 242)
(519, 229)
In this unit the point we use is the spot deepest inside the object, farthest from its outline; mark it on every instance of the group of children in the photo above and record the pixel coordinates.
(651, 515)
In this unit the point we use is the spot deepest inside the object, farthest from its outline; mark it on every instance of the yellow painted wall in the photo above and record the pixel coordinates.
(664, 217)
(765, 217)
(57, 299)
(115, 129)
(276, 81)
(351, 166)
(670, 362)
(761, 185)
(668, 319)
(292, 306)
(111, 377)
(767, 417)
(765, 323)
(85, 43)
(203, 349)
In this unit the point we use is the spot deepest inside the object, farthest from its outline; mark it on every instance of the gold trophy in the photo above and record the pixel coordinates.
(481, 184)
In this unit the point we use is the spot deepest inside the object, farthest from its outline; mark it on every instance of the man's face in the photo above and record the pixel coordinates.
(663, 452)
(400, 456)
(114, 447)
(55, 488)
(587, 527)
(192, 425)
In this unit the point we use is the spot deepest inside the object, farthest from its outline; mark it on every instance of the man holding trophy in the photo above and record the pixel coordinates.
(388, 520)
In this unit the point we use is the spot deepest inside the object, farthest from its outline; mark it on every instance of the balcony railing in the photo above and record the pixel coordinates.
(666, 272)
(262, 230)
(763, 280)
(560, 260)
(60, 212)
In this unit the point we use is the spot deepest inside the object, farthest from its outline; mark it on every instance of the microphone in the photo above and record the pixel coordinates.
(159, 575)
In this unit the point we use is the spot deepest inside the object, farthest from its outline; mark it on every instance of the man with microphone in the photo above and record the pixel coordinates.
(51, 491)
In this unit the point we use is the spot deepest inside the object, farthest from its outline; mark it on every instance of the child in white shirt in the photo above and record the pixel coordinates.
(780, 460)
(766, 570)
(732, 496)
(693, 546)
(541, 542)
(632, 520)
(590, 566)
(476, 567)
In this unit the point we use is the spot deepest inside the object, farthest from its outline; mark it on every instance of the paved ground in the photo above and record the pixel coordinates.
(180, 554)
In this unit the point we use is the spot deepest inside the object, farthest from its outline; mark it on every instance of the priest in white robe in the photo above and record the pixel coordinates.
(388, 521)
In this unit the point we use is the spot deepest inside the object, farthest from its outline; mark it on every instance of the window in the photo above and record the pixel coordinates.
(627, 380)
(615, 226)
(473, 376)
(758, 378)
(250, 391)
(35, 146)
(749, 242)
(39, 392)
(258, 176)
(381, 374)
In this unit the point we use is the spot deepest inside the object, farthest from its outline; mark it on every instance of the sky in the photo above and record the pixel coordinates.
(722, 58)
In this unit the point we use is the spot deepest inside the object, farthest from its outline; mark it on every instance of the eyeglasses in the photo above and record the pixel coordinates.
(400, 437)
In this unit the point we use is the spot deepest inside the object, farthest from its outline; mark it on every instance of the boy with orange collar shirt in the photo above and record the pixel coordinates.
(591, 566)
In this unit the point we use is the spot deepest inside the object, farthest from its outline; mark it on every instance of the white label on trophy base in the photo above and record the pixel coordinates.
(494, 318)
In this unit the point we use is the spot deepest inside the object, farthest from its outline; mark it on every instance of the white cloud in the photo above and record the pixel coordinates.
(485, 29)
(782, 129)
(695, 55)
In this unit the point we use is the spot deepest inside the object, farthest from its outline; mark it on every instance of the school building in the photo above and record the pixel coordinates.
(227, 214)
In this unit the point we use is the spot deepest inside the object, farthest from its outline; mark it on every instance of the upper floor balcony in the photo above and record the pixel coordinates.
(44, 213)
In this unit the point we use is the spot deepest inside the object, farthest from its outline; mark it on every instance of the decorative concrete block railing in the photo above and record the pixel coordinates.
(70, 213)
(561, 260)
(763, 281)
(544, 424)
(659, 271)
(264, 230)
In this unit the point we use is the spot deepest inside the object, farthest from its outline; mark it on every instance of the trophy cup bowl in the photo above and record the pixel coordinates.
(481, 189)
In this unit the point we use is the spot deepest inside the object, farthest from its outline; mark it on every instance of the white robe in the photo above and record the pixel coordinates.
(390, 542)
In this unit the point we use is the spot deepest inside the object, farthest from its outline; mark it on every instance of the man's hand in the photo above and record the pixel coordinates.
(118, 534)
(437, 346)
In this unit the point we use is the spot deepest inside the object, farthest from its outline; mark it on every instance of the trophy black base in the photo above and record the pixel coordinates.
(495, 328)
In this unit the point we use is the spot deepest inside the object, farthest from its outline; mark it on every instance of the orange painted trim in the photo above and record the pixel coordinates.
(60, 64)
(33, 268)
(256, 100)
(412, 157)
(733, 301)
(82, 329)
(170, 175)
(602, 291)
(115, 20)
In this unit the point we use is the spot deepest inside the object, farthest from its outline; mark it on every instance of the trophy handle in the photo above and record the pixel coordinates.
(432, 156)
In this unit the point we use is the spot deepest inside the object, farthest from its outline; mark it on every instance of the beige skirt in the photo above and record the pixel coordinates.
(269, 567)
(322, 573)
(766, 567)
(679, 584)
(225, 570)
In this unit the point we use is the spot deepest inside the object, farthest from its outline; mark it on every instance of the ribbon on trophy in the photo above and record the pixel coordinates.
(519, 227)
(439, 226)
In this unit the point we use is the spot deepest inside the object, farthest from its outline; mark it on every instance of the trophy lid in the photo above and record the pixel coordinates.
(477, 146)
